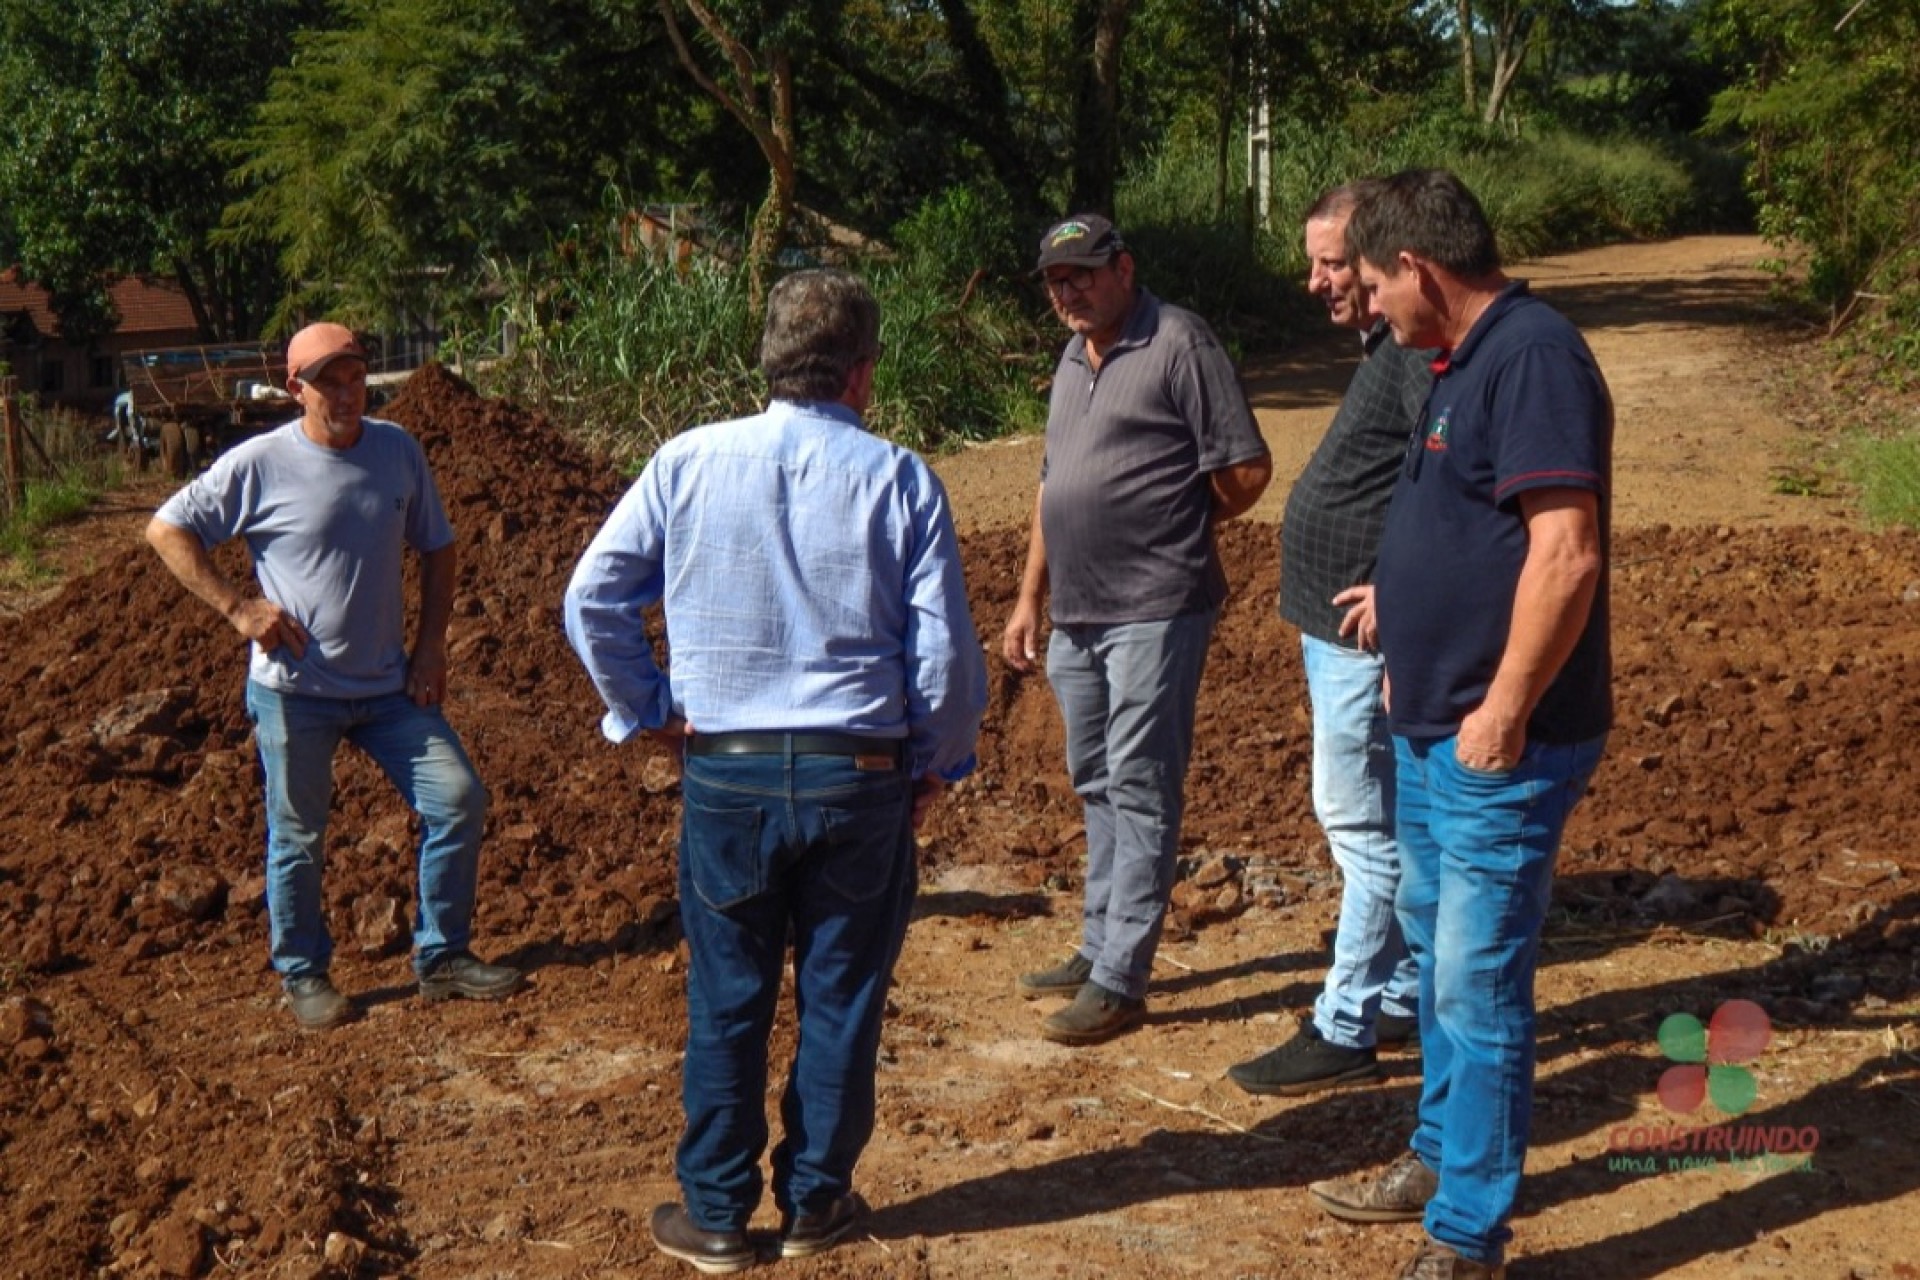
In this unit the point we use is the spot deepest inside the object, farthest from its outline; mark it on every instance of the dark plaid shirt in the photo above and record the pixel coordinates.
(1331, 529)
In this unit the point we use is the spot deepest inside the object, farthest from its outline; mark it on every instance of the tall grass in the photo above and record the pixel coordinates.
(1543, 194)
(628, 350)
(625, 351)
(80, 471)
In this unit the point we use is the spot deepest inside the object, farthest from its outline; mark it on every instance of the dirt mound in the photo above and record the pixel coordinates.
(157, 1113)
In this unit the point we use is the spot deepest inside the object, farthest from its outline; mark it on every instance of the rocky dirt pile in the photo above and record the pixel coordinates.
(1759, 782)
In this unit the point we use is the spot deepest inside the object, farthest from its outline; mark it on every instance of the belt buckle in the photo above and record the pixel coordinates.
(874, 763)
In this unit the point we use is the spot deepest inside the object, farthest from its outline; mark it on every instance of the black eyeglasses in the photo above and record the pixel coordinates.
(1079, 280)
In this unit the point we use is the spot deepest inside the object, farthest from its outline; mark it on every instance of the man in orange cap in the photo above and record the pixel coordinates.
(328, 505)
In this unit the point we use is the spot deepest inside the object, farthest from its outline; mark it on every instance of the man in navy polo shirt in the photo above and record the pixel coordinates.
(1492, 603)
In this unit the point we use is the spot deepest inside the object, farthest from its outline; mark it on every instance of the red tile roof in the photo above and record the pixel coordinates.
(146, 305)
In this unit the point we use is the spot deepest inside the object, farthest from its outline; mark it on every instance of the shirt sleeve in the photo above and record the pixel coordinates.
(946, 671)
(618, 577)
(1207, 393)
(214, 506)
(1558, 432)
(428, 529)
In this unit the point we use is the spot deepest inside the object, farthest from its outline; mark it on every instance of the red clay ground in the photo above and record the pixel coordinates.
(1752, 835)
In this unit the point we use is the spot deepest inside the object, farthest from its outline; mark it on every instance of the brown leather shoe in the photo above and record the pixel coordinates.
(1398, 1193)
(1095, 1015)
(1437, 1262)
(714, 1253)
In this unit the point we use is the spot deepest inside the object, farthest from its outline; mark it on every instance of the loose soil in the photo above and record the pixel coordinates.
(1752, 835)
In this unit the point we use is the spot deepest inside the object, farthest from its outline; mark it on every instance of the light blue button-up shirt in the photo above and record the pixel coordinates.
(811, 580)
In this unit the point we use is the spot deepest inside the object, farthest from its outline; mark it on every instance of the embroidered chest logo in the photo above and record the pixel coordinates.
(1437, 433)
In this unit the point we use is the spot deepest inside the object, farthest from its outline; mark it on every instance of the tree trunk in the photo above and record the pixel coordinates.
(770, 123)
(1096, 151)
(1469, 73)
(1511, 36)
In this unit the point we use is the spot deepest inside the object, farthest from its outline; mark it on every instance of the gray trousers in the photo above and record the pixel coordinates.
(1127, 695)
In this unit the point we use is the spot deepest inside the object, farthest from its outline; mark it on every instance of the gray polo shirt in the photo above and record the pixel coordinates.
(1126, 507)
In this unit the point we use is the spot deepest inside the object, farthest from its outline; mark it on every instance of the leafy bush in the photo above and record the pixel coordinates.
(627, 349)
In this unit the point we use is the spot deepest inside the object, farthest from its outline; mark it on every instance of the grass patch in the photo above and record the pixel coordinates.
(80, 473)
(1887, 471)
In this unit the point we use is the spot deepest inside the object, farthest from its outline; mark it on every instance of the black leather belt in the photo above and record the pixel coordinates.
(801, 744)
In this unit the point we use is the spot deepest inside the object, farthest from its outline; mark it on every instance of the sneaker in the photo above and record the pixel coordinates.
(1396, 1031)
(461, 973)
(1307, 1063)
(714, 1253)
(1398, 1193)
(810, 1233)
(1437, 1262)
(1064, 979)
(1096, 1014)
(316, 1004)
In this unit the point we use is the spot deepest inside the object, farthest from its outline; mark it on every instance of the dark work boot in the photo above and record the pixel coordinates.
(714, 1253)
(1064, 979)
(462, 974)
(811, 1233)
(316, 1004)
(1095, 1015)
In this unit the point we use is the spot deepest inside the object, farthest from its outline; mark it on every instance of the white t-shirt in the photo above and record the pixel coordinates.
(328, 530)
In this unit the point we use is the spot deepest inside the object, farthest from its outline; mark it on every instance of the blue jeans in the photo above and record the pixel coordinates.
(1127, 694)
(421, 755)
(1353, 797)
(777, 847)
(1477, 853)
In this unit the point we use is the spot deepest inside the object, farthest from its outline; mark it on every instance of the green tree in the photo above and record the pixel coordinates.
(1827, 103)
(409, 147)
(114, 115)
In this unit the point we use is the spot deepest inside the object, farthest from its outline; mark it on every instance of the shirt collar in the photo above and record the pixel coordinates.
(1503, 302)
(816, 409)
(1143, 321)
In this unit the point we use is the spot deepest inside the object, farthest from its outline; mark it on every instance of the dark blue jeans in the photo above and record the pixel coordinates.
(775, 848)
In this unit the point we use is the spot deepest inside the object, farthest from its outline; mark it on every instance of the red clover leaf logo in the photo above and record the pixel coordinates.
(1707, 1057)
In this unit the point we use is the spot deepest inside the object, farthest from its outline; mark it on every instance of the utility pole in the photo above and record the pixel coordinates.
(1259, 122)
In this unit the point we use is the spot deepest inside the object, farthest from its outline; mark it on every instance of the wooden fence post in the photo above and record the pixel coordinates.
(16, 476)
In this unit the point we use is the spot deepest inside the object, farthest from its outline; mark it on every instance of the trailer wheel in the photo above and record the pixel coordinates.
(174, 456)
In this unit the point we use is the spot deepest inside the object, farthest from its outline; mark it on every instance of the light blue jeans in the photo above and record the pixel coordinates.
(421, 755)
(1353, 797)
(1477, 853)
(1127, 694)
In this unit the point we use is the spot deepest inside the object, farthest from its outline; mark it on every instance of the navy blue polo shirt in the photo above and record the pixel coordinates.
(1521, 405)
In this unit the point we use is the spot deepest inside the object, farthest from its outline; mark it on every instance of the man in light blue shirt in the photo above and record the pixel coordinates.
(826, 683)
(329, 505)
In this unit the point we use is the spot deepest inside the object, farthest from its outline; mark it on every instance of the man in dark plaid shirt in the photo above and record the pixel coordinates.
(1328, 538)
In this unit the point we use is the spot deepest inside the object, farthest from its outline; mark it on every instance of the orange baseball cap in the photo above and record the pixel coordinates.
(318, 345)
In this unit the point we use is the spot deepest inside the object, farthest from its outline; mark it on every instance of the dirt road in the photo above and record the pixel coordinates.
(1752, 835)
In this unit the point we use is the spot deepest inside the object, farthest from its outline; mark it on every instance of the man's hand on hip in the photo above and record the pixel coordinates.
(269, 626)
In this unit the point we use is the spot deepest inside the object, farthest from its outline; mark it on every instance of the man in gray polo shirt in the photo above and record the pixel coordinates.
(1150, 444)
